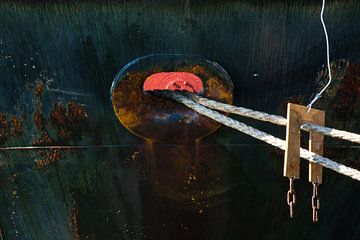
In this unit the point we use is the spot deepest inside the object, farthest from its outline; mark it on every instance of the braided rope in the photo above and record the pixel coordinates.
(279, 120)
(332, 132)
(241, 111)
(263, 136)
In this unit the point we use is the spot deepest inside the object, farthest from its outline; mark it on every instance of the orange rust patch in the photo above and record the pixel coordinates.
(44, 140)
(17, 127)
(39, 89)
(47, 157)
(216, 88)
(38, 120)
(4, 129)
(69, 121)
(10, 128)
(161, 119)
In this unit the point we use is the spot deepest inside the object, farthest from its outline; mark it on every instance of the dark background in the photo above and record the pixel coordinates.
(272, 50)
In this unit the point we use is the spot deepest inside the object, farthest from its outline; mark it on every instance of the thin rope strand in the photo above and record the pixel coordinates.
(318, 95)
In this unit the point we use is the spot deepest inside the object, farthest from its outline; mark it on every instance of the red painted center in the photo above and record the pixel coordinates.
(173, 81)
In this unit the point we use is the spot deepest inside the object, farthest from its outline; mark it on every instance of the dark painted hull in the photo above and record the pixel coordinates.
(119, 187)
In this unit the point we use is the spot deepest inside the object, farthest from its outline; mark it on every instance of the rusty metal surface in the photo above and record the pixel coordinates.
(57, 63)
(155, 118)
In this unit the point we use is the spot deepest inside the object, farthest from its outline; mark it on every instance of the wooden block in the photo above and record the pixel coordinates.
(296, 116)
(316, 145)
(292, 151)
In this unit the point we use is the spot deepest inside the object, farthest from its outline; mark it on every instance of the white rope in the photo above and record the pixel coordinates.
(279, 120)
(241, 111)
(260, 135)
(318, 95)
(332, 132)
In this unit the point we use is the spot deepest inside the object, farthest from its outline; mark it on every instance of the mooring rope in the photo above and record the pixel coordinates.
(263, 136)
(279, 120)
(241, 111)
(332, 132)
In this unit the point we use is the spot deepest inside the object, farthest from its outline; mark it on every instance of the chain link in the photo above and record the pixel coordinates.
(290, 197)
(315, 202)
